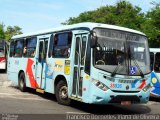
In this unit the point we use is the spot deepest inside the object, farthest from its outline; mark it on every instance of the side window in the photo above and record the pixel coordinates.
(77, 50)
(2, 52)
(46, 48)
(11, 49)
(18, 48)
(29, 49)
(41, 51)
(62, 45)
(50, 47)
(157, 62)
(84, 39)
(88, 57)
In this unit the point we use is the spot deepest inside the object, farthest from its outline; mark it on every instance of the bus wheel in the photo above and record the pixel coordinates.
(62, 93)
(21, 82)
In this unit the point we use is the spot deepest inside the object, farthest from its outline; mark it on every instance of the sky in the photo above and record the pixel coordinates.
(35, 15)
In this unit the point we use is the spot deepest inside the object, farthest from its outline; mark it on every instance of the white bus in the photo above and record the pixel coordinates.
(155, 74)
(3, 55)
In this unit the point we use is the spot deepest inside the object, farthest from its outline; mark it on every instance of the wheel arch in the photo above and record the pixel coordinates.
(58, 79)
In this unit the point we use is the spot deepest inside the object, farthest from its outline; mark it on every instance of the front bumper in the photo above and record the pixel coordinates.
(98, 96)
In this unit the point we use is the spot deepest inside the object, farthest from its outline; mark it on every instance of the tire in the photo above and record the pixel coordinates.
(62, 93)
(22, 82)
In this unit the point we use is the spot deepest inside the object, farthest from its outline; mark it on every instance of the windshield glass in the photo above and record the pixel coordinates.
(2, 53)
(121, 52)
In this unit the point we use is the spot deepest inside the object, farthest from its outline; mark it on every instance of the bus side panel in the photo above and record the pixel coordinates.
(30, 71)
(13, 70)
(15, 65)
(48, 73)
(54, 68)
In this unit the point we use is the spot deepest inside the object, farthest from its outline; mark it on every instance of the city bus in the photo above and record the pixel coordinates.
(155, 74)
(89, 62)
(3, 55)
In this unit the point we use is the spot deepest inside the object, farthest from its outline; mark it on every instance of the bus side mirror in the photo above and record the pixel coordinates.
(93, 41)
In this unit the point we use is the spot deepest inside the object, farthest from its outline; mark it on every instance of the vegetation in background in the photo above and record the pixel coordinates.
(122, 14)
(9, 32)
(126, 15)
(2, 35)
(151, 26)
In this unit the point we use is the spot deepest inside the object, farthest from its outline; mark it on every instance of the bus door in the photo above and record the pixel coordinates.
(41, 62)
(78, 71)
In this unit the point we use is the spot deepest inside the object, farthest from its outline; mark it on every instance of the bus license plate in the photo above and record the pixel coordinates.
(125, 103)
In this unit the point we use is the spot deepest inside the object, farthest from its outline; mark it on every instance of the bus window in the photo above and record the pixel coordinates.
(88, 57)
(11, 49)
(157, 62)
(45, 52)
(84, 39)
(30, 47)
(152, 60)
(50, 47)
(41, 57)
(62, 45)
(18, 48)
(77, 51)
(2, 54)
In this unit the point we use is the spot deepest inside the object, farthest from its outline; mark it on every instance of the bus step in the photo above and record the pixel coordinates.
(40, 90)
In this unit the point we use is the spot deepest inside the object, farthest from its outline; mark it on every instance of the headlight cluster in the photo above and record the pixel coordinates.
(146, 87)
(100, 85)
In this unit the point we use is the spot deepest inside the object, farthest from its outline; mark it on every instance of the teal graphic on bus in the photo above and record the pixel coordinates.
(89, 62)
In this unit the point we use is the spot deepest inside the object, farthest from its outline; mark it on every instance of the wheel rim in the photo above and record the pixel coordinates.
(63, 92)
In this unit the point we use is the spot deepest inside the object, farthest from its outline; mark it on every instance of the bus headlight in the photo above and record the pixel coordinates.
(146, 87)
(100, 85)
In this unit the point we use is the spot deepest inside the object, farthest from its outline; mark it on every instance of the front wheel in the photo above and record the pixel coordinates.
(62, 93)
(21, 82)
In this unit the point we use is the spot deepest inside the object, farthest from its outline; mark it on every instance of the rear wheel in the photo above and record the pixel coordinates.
(62, 93)
(22, 82)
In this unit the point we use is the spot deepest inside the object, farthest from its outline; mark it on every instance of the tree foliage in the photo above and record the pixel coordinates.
(123, 14)
(9, 32)
(2, 34)
(126, 15)
(151, 27)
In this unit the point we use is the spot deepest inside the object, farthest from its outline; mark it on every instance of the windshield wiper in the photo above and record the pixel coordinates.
(130, 56)
(117, 67)
(115, 70)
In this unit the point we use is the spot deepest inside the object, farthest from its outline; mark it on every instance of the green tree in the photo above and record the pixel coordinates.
(126, 15)
(2, 34)
(11, 31)
(151, 27)
(122, 14)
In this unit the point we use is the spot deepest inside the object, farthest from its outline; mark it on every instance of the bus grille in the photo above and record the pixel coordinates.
(119, 98)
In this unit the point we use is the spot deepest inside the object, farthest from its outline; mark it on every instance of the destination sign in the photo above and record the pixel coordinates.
(115, 34)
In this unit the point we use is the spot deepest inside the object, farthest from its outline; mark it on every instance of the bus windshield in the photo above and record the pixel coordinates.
(2, 54)
(120, 52)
